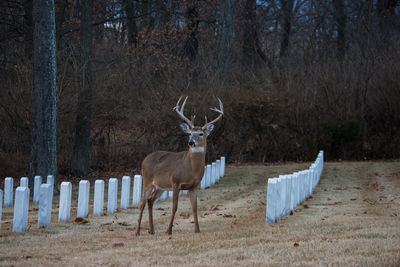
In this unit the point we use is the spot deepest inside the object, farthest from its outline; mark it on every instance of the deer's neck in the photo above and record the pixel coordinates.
(197, 158)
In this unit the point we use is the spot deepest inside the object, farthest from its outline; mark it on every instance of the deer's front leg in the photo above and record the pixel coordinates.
(174, 208)
(193, 201)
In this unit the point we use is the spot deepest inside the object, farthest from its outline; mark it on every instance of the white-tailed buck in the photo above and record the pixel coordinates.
(162, 170)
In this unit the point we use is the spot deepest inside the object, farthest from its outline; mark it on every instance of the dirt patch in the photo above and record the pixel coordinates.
(344, 222)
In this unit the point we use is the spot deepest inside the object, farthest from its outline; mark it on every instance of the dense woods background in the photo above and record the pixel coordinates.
(294, 76)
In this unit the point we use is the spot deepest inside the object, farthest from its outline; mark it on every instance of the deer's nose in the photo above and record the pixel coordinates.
(191, 143)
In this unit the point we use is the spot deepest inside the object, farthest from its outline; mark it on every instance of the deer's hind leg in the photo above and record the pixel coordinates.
(174, 208)
(155, 193)
(146, 192)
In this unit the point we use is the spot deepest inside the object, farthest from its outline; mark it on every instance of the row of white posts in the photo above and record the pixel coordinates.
(43, 195)
(288, 191)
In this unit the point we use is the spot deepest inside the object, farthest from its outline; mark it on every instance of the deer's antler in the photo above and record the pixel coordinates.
(220, 111)
(180, 112)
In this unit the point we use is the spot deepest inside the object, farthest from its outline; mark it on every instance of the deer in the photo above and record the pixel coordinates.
(163, 170)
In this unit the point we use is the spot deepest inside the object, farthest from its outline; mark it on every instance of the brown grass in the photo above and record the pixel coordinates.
(352, 219)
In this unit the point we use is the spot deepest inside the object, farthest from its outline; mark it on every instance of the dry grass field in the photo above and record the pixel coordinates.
(352, 218)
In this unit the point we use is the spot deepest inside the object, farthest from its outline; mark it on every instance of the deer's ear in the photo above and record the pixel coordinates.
(209, 128)
(185, 128)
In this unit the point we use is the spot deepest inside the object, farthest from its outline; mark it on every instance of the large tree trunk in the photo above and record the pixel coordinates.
(287, 8)
(43, 160)
(28, 29)
(226, 20)
(341, 20)
(386, 15)
(131, 22)
(80, 165)
(61, 5)
(252, 54)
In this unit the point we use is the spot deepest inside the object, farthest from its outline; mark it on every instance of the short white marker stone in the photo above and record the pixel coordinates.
(125, 192)
(98, 203)
(203, 180)
(8, 192)
(112, 195)
(208, 175)
(24, 182)
(64, 212)
(218, 170)
(279, 203)
(137, 190)
(288, 182)
(36, 189)
(271, 201)
(1, 205)
(21, 207)
(164, 195)
(45, 199)
(222, 167)
(50, 181)
(83, 199)
(213, 173)
(170, 194)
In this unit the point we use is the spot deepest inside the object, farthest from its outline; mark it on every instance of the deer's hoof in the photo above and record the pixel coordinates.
(151, 232)
(169, 232)
(197, 231)
(137, 233)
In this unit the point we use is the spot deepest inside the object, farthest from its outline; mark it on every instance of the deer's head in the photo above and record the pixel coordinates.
(198, 134)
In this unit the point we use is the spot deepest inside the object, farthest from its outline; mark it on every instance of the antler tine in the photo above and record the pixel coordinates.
(220, 111)
(180, 112)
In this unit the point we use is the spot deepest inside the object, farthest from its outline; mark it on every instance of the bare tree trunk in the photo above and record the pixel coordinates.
(287, 8)
(43, 160)
(80, 164)
(131, 22)
(227, 21)
(60, 18)
(192, 21)
(341, 20)
(386, 14)
(28, 31)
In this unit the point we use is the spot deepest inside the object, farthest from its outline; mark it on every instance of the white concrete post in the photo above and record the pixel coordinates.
(112, 195)
(285, 181)
(21, 207)
(292, 192)
(125, 192)
(218, 170)
(36, 189)
(213, 173)
(64, 212)
(83, 199)
(45, 205)
(203, 180)
(164, 195)
(8, 191)
(98, 203)
(137, 190)
(1, 206)
(279, 200)
(170, 194)
(271, 201)
(283, 195)
(24, 182)
(208, 175)
(50, 181)
(222, 166)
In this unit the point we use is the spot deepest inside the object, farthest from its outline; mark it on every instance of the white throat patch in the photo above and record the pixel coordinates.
(198, 149)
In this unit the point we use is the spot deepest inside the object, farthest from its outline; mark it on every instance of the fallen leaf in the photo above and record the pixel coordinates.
(105, 224)
(291, 213)
(184, 215)
(341, 188)
(228, 216)
(81, 221)
(164, 214)
(159, 209)
(110, 229)
(295, 245)
(305, 206)
(353, 198)
(116, 245)
(328, 199)
(130, 228)
(123, 224)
